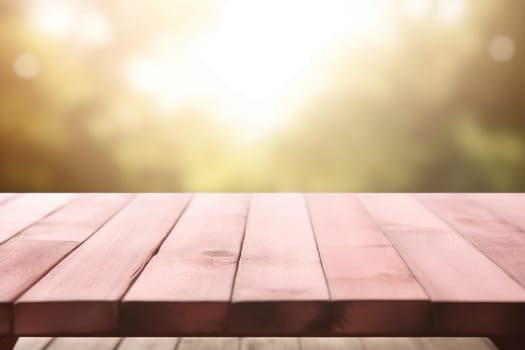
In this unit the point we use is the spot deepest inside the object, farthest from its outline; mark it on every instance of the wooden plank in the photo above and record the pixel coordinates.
(453, 344)
(471, 295)
(77, 220)
(192, 274)
(372, 290)
(280, 287)
(390, 344)
(83, 344)
(275, 343)
(33, 252)
(508, 206)
(37, 343)
(342, 215)
(148, 343)
(501, 241)
(5, 197)
(26, 209)
(427, 344)
(270, 343)
(80, 296)
(209, 344)
(331, 344)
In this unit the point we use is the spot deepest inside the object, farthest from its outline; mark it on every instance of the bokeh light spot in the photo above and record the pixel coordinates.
(52, 18)
(416, 8)
(451, 11)
(94, 29)
(501, 48)
(26, 66)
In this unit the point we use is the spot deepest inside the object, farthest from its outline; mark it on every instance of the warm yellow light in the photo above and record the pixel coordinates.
(451, 11)
(416, 8)
(270, 55)
(52, 17)
(27, 66)
(250, 63)
(259, 60)
(143, 73)
(93, 28)
(81, 23)
(501, 48)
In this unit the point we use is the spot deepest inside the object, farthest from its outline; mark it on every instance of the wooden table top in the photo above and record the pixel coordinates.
(262, 264)
(332, 343)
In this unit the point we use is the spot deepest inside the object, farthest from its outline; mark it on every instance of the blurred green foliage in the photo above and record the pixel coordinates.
(434, 112)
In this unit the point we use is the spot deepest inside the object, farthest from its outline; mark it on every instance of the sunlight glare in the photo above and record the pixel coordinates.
(52, 18)
(72, 20)
(451, 11)
(94, 28)
(143, 74)
(416, 8)
(261, 59)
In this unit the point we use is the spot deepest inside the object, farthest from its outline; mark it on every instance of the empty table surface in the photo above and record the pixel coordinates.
(281, 264)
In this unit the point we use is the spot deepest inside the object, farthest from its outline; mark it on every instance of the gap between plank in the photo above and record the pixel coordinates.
(495, 213)
(64, 257)
(141, 268)
(48, 344)
(422, 203)
(117, 345)
(178, 342)
(383, 231)
(39, 219)
(228, 317)
(8, 199)
(308, 212)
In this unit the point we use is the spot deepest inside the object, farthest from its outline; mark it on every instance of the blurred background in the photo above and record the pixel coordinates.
(253, 95)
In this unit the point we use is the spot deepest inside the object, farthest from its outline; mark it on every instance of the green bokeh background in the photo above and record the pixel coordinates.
(431, 112)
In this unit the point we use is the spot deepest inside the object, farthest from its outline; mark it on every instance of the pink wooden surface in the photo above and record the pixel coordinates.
(500, 240)
(262, 264)
(192, 274)
(81, 294)
(34, 251)
(4, 197)
(370, 285)
(280, 286)
(469, 291)
(25, 209)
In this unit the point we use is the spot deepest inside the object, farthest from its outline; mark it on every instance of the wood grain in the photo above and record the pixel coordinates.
(186, 288)
(508, 206)
(280, 287)
(209, 344)
(276, 343)
(269, 343)
(502, 241)
(148, 344)
(372, 290)
(331, 344)
(83, 344)
(80, 296)
(375, 265)
(453, 343)
(26, 209)
(36, 343)
(470, 294)
(389, 343)
(5, 197)
(33, 252)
